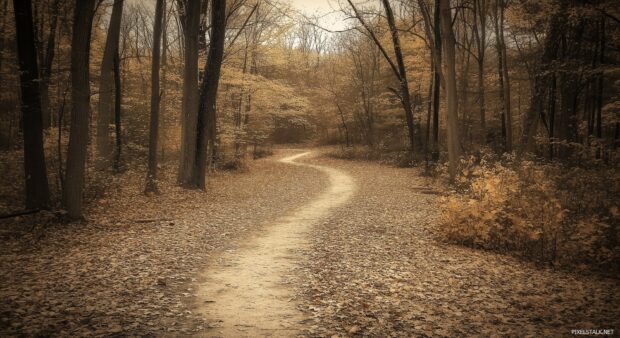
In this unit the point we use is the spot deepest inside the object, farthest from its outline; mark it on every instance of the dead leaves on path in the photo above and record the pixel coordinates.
(121, 274)
(376, 269)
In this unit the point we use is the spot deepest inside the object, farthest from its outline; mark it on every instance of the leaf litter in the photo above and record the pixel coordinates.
(131, 268)
(376, 268)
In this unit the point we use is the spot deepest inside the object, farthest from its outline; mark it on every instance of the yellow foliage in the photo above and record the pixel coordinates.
(544, 212)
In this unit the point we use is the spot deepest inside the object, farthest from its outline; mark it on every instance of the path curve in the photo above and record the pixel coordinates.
(243, 291)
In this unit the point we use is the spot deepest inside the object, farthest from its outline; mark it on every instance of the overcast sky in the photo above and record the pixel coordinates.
(333, 20)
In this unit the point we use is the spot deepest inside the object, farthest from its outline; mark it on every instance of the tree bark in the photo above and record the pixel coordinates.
(506, 75)
(436, 81)
(451, 94)
(480, 15)
(151, 176)
(80, 98)
(37, 189)
(191, 24)
(208, 93)
(117, 112)
(46, 67)
(551, 44)
(106, 87)
(404, 84)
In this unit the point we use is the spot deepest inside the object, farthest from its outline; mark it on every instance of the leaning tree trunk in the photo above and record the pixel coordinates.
(37, 189)
(451, 94)
(106, 87)
(404, 84)
(151, 176)
(208, 91)
(191, 26)
(80, 98)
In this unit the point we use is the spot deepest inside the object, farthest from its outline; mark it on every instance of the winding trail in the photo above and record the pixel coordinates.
(244, 291)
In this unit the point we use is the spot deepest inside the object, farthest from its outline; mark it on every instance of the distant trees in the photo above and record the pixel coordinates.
(37, 190)
(542, 81)
(398, 68)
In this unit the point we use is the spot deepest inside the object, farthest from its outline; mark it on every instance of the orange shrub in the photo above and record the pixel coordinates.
(541, 211)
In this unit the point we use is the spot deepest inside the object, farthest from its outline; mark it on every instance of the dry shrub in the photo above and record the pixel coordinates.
(398, 157)
(545, 212)
(261, 152)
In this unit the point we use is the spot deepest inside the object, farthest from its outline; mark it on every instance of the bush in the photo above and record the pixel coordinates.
(233, 164)
(261, 152)
(398, 157)
(546, 212)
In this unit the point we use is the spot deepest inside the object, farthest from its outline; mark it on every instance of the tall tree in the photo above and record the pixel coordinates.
(480, 29)
(80, 112)
(106, 86)
(151, 176)
(402, 72)
(37, 189)
(436, 79)
(190, 22)
(541, 78)
(398, 69)
(47, 61)
(448, 43)
(504, 78)
(208, 92)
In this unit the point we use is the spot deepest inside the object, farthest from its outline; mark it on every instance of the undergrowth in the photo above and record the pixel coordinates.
(397, 157)
(547, 212)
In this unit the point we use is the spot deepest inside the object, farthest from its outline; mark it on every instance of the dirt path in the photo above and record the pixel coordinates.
(244, 290)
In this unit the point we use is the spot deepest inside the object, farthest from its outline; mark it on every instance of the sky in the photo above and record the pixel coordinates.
(331, 19)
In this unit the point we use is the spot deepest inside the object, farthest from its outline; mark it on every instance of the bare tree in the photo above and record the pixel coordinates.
(448, 43)
(190, 22)
(151, 176)
(106, 86)
(398, 68)
(37, 189)
(504, 78)
(80, 98)
(208, 92)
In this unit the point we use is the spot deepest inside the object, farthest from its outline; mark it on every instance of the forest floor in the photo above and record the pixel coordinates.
(364, 260)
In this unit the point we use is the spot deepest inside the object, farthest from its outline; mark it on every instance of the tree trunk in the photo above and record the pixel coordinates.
(46, 67)
(451, 94)
(151, 176)
(37, 189)
(436, 81)
(164, 81)
(80, 98)
(208, 92)
(506, 75)
(344, 125)
(480, 15)
(106, 87)
(117, 112)
(404, 84)
(551, 45)
(191, 25)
